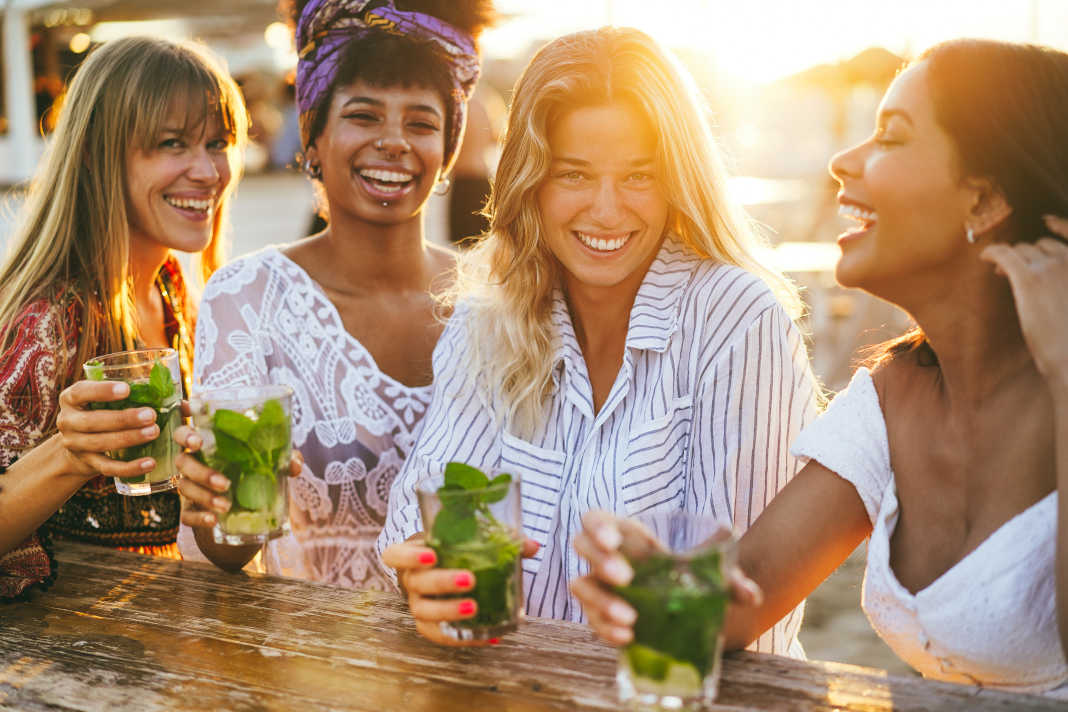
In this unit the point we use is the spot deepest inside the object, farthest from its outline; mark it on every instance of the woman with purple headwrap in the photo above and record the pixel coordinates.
(345, 317)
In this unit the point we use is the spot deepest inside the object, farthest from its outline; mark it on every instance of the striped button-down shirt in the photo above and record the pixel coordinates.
(715, 384)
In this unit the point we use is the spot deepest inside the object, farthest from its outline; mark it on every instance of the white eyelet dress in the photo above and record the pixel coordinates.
(991, 619)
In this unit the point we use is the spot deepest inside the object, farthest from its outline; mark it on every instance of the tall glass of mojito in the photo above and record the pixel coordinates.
(680, 593)
(245, 432)
(155, 381)
(473, 521)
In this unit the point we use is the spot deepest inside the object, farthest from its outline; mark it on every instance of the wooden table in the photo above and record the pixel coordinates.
(120, 631)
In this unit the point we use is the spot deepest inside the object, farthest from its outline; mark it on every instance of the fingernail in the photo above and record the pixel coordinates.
(120, 389)
(192, 442)
(221, 504)
(220, 483)
(149, 431)
(617, 570)
(148, 415)
(609, 538)
(427, 557)
(494, 641)
(147, 464)
(466, 608)
(463, 580)
(209, 520)
(622, 613)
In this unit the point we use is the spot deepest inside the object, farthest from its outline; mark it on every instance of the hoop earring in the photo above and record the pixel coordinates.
(969, 234)
(313, 170)
(443, 186)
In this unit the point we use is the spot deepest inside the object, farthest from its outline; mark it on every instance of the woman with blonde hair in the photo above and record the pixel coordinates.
(142, 161)
(617, 340)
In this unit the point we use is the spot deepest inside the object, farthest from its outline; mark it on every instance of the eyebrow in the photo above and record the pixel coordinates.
(381, 105)
(636, 163)
(888, 114)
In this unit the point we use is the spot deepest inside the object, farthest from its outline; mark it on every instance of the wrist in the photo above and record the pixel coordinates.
(55, 463)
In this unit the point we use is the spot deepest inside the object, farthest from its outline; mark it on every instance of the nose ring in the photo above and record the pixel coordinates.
(380, 144)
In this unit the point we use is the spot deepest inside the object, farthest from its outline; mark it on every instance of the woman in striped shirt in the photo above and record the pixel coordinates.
(616, 340)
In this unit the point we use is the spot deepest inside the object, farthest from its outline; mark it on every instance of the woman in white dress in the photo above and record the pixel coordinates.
(345, 317)
(618, 342)
(950, 451)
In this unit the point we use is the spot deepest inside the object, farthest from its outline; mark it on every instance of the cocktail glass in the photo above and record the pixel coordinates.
(155, 382)
(245, 432)
(680, 593)
(474, 522)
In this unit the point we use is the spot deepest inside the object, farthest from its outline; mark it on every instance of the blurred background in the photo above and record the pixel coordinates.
(787, 84)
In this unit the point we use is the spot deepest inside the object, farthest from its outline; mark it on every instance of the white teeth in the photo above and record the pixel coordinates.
(386, 176)
(857, 213)
(596, 243)
(189, 204)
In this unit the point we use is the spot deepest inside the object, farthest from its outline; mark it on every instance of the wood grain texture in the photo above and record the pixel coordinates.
(120, 631)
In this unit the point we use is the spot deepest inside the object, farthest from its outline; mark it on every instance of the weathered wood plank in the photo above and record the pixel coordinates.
(120, 631)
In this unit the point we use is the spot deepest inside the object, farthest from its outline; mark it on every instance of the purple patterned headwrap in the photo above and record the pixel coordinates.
(325, 27)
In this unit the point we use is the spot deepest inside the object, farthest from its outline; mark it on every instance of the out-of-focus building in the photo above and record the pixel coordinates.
(44, 40)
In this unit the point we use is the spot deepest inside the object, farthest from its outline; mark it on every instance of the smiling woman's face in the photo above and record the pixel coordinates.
(903, 186)
(601, 207)
(381, 150)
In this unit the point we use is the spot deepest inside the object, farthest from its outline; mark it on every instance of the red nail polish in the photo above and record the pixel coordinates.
(463, 580)
(466, 608)
(494, 641)
(427, 557)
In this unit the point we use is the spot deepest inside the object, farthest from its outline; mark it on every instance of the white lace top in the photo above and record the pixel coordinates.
(264, 320)
(991, 619)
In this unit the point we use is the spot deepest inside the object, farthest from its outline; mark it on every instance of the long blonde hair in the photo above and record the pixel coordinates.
(73, 232)
(508, 279)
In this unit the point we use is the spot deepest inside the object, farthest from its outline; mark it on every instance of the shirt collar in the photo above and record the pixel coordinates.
(655, 316)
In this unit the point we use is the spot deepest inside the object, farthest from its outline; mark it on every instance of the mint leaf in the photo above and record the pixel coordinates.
(232, 451)
(143, 394)
(271, 432)
(234, 424)
(452, 526)
(457, 473)
(499, 491)
(254, 491)
(159, 379)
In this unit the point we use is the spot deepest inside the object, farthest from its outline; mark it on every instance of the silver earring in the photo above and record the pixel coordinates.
(380, 144)
(969, 234)
(443, 186)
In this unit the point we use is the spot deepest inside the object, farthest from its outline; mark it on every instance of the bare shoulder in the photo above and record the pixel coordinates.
(443, 265)
(902, 381)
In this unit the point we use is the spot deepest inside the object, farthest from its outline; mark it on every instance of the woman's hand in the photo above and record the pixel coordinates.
(1038, 275)
(602, 538)
(417, 574)
(201, 487)
(85, 435)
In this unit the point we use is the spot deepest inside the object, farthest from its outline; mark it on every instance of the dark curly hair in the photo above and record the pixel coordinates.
(382, 59)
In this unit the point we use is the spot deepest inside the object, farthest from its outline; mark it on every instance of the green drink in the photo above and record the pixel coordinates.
(246, 436)
(473, 524)
(154, 380)
(681, 601)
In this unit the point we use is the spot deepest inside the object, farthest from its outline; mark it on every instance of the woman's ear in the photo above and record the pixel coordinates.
(989, 208)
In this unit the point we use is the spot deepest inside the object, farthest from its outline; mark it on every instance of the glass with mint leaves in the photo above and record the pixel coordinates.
(245, 431)
(474, 522)
(680, 593)
(155, 382)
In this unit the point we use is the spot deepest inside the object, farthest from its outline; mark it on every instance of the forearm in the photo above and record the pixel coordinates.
(32, 489)
(1060, 420)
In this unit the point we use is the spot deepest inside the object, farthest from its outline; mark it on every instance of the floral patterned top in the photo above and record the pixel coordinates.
(37, 366)
(263, 319)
